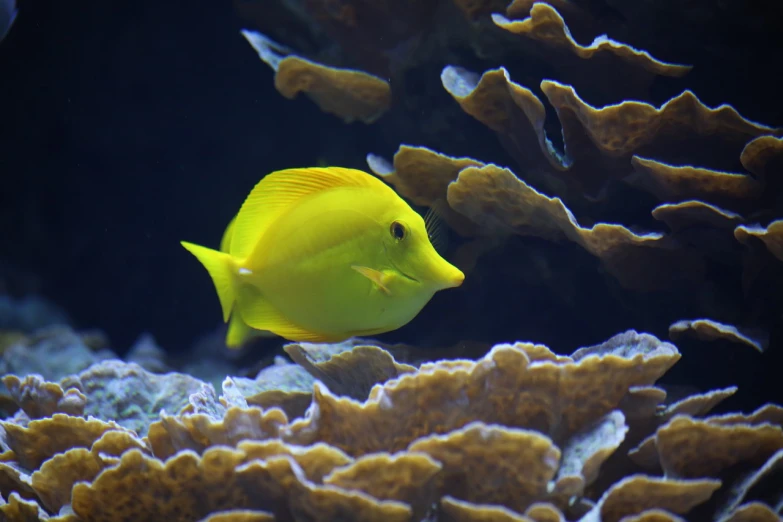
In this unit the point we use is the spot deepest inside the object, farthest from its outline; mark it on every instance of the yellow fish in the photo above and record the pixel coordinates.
(238, 332)
(322, 255)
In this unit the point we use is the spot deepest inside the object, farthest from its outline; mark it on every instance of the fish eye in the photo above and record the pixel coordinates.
(398, 231)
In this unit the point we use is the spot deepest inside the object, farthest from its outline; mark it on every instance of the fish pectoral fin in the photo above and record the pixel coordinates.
(379, 278)
(258, 313)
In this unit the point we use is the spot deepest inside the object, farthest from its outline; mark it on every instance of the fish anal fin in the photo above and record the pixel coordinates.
(380, 279)
(278, 191)
(240, 333)
(258, 313)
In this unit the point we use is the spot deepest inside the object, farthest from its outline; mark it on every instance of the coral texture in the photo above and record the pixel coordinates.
(518, 434)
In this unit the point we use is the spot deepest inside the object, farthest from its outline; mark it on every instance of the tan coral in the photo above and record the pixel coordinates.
(697, 405)
(221, 479)
(546, 25)
(646, 455)
(448, 395)
(413, 478)
(455, 510)
(698, 448)
(642, 123)
(509, 109)
(601, 142)
(54, 480)
(240, 515)
(44, 438)
(653, 515)
(18, 509)
(710, 330)
(294, 403)
(347, 93)
(687, 214)
(679, 183)
(39, 398)
(769, 414)
(14, 478)
(108, 384)
(752, 512)
(422, 176)
(642, 402)
(756, 483)
(762, 154)
(309, 501)
(198, 431)
(645, 419)
(496, 200)
(351, 373)
(316, 461)
(585, 453)
(193, 488)
(524, 460)
(544, 512)
(519, 9)
(517, 115)
(281, 385)
(638, 493)
(771, 235)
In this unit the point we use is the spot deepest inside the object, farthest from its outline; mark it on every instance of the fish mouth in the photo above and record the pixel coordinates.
(405, 275)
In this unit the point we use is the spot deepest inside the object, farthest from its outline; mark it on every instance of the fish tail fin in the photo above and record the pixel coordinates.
(221, 269)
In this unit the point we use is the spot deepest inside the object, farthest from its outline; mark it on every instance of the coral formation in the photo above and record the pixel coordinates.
(518, 434)
(660, 196)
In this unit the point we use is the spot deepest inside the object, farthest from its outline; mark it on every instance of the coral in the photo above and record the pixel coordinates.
(519, 434)
(53, 353)
(352, 372)
(661, 196)
(131, 395)
(146, 353)
(545, 25)
(771, 235)
(707, 329)
(284, 385)
(350, 94)
(704, 179)
(447, 395)
(38, 398)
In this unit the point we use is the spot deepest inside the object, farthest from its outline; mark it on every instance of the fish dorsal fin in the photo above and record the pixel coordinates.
(279, 190)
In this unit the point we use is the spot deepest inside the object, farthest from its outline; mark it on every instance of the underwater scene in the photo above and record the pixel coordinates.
(391, 260)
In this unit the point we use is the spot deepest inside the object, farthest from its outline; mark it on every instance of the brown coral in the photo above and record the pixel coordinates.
(708, 329)
(519, 434)
(546, 25)
(349, 94)
(447, 395)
